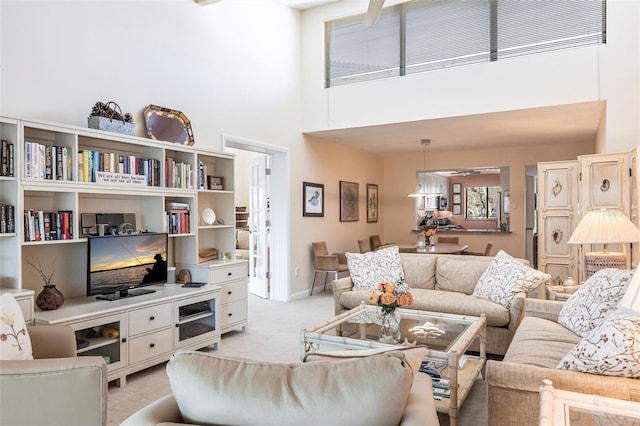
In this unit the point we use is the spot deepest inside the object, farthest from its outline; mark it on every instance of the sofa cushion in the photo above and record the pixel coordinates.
(419, 270)
(591, 303)
(505, 277)
(540, 342)
(610, 349)
(15, 343)
(367, 270)
(460, 273)
(441, 301)
(211, 389)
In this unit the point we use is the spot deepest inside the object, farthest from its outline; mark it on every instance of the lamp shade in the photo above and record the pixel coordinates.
(605, 227)
(630, 302)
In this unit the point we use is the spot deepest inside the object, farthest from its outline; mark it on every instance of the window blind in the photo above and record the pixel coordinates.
(359, 53)
(425, 35)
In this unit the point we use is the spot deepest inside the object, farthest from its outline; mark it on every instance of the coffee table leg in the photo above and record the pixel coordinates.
(453, 396)
(363, 331)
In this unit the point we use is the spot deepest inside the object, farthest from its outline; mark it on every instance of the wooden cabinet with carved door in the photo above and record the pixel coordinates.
(558, 216)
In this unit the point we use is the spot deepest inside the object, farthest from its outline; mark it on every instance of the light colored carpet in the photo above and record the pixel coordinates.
(274, 336)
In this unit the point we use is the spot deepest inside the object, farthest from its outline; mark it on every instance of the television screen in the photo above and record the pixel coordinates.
(122, 262)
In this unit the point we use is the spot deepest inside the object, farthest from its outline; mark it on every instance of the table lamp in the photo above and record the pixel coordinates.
(604, 227)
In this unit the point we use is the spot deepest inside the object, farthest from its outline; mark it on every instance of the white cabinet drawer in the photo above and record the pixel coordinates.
(149, 346)
(233, 312)
(231, 273)
(233, 292)
(149, 319)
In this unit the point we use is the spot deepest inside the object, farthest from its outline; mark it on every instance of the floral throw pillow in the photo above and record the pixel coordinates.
(505, 277)
(369, 269)
(599, 295)
(610, 349)
(15, 343)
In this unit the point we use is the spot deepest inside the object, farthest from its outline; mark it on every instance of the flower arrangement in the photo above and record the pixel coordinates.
(428, 231)
(390, 296)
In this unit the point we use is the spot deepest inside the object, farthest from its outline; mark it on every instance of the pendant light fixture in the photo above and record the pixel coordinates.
(423, 192)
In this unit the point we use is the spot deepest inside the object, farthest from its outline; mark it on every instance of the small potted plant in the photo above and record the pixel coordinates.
(50, 297)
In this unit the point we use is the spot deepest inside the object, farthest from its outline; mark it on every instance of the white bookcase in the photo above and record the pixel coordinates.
(71, 188)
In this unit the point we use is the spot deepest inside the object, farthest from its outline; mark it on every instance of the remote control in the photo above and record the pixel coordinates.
(193, 284)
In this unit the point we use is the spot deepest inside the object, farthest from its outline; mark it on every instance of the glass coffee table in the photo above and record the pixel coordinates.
(446, 336)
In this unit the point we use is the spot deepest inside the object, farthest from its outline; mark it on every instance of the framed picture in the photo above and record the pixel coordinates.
(349, 201)
(457, 209)
(372, 203)
(457, 198)
(312, 199)
(457, 188)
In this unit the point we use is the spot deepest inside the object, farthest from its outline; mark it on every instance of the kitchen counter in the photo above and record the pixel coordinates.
(445, 229)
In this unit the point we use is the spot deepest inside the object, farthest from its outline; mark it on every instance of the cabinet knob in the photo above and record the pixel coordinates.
(151, 345)
(229, 292)
(151, 318)
(229, 273)
(177, 325)
(124, 340)
(230, 314)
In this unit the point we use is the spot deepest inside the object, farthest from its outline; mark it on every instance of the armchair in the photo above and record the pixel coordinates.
(364, 246)
(62, 388)
(325, 262)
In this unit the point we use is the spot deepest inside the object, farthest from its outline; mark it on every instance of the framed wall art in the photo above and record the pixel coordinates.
(372, 203)
(457, 209)
(349, 201)
(312, 199)
(457, 187)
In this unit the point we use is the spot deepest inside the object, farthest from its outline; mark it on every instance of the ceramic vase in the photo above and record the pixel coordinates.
(50, 298)
(389, 328)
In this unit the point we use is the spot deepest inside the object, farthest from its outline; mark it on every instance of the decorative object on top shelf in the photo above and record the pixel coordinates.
(50, 297)
(108, 116)
(168, 125)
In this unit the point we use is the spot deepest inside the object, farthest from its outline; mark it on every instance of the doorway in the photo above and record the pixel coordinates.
(276, 241)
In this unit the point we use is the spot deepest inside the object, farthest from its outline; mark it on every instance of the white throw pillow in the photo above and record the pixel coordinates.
(610, 349)
(364, 391)
(367, 270)
(15, 343)
(505, 277)
(600, 294)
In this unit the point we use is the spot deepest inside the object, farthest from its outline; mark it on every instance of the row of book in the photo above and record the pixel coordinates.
(50, 162)
(202, 175)
(7, 219)
(90, 162)
(44, 226)
(178, 217)
(177, 174)
(7, 155)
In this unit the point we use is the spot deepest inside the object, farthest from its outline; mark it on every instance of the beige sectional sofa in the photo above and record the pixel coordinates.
(445, 283)
(535, 351)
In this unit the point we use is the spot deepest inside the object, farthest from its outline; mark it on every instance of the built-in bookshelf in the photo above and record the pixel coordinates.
(60, 172)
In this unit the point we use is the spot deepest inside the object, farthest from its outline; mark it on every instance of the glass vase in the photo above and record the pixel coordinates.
(432, 241)
(389, 328)
(422, 241)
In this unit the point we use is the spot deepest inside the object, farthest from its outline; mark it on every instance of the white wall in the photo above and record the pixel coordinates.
(231, 67)
(608, 72)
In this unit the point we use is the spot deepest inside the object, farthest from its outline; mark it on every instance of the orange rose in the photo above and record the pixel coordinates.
(381, 286)
(373, 298)
(388, 298)
(389, 288)
(405, 299)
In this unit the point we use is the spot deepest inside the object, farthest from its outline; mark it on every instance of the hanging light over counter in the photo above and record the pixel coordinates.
(423, 193)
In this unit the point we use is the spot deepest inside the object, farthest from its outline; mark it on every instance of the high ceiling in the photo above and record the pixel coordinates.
(561, 124)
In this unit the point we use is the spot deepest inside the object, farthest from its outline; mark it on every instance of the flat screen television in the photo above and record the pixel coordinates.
(118, 265)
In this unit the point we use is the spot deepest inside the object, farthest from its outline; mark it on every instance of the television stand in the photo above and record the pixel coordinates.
(125, 293)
